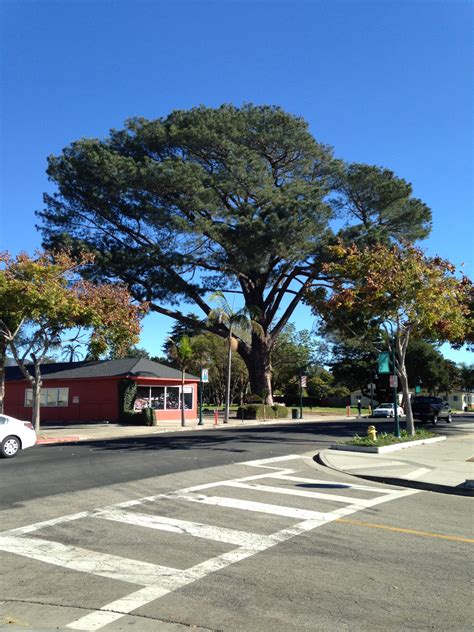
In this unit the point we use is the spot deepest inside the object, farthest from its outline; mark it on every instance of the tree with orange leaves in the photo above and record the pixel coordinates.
(41, 298)
(400, 293)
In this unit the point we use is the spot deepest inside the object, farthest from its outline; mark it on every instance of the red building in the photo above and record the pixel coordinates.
(89, 391)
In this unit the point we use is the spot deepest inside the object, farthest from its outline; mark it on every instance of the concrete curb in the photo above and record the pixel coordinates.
(399, 482)
(52, 440)
(386, 448)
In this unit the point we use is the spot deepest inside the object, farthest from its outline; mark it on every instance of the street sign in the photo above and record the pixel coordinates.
(384, 362)
(371, 386)
(393, 381)
(204, 375)
(417, 389)
(304, 381)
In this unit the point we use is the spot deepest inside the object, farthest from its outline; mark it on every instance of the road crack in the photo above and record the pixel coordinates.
(140, 616)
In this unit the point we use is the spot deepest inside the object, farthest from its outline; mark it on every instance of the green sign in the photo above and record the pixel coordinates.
(417, 389)
(384, 362)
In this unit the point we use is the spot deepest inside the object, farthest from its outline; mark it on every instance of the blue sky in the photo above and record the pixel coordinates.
(387, 83)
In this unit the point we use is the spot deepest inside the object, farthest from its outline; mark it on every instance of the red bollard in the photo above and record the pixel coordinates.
(216, 417)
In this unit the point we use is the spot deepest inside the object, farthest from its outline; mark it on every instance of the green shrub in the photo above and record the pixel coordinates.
(281, 412)
(127, 393)
(254, 399)
(259, 411)
(144, 417)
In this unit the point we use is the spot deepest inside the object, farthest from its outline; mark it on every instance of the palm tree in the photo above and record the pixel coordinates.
(237, 323)
(182, 351)
(70, 351)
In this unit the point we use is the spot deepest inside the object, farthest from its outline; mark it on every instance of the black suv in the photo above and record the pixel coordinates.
(426, 408)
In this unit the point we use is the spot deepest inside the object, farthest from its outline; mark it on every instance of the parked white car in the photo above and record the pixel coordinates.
(15, 435)
(387, 410)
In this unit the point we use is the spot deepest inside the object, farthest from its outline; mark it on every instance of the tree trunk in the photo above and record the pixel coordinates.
(407, 401)
(3, 358)
(36, 416)
(259, 366)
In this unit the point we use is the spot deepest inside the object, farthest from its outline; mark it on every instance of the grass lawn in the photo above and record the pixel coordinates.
(385, 438)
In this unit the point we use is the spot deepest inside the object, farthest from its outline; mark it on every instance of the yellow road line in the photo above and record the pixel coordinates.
(426, 534)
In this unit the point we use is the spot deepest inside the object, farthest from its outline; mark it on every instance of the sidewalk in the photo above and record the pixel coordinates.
(447, 466)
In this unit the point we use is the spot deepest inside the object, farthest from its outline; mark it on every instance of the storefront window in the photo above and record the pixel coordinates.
(142, 399)
(163, 397)
(172, 397)
(188, 397)
(157, 394)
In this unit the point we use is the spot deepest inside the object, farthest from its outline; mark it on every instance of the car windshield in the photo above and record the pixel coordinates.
(386, 406)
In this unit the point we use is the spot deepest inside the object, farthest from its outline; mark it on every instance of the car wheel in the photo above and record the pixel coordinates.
(449, 418)
(434, 420)
(10, 447)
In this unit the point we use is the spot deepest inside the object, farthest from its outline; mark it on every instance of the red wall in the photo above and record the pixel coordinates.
(98, 400)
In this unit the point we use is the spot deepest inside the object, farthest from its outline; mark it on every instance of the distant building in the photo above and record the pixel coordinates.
(89, 391)
(461, 400)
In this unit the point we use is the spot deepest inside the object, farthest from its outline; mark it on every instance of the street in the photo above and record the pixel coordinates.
(222, 530)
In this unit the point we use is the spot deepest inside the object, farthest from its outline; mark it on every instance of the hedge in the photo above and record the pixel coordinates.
(259, 411)
(127, 395)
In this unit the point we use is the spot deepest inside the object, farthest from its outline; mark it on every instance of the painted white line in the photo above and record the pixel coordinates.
(46, 523)
(116, 609)
(183, 527)
(87, 561)
(273, 459)
(298, 492)
(160, 580)
(417, 473)
(250, 505)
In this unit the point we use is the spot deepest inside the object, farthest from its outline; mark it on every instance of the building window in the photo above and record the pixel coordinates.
(163, 397)
(455, 398)
(49, 397)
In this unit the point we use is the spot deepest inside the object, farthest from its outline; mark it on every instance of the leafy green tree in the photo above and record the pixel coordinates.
(232, 199)
(41, 300)
(424, 362)
(382, 204)
(410, 295)
(294, 351)
(466, 376)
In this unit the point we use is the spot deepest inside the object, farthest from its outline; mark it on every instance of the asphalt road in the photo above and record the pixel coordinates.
(54, 469)
(264, 547)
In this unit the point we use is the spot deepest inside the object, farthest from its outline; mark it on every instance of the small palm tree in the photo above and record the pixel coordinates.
(182, 351)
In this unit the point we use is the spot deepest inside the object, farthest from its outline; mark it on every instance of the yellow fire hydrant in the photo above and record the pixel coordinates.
(372, 433)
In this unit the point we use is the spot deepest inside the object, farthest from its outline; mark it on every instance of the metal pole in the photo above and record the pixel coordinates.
(301, 394)
(200, 422)
(396, 429)
(229, 369)
(371, 392)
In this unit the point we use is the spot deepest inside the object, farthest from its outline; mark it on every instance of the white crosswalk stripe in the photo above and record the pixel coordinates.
(154, 580)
